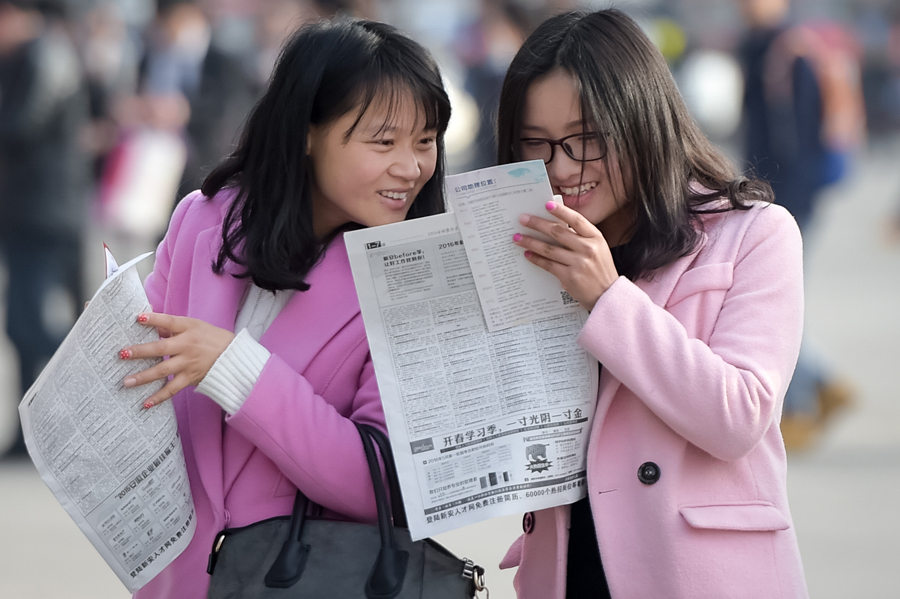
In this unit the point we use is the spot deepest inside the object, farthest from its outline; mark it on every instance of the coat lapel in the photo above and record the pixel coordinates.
(313, 317)
(659, 289)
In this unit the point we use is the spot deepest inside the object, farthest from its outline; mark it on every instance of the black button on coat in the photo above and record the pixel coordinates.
(528, 522)
(648, 473)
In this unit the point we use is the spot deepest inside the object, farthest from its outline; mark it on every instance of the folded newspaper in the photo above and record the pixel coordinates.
(116, 468)
(488, 416)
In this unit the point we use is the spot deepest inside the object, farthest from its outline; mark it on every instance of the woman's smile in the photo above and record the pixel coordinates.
(578, 195)
(395, 200)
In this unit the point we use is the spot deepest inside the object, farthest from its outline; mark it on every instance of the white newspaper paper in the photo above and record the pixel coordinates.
(482, 424)
(487, 204)
(116, 468)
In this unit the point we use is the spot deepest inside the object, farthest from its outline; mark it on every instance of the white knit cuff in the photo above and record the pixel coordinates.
(231, 379)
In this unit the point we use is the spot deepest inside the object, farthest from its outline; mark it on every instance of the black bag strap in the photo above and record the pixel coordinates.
(390, 471)
(381, 501)
(288, 567)
(386, 579)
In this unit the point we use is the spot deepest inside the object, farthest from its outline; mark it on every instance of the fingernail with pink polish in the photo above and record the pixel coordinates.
(527, 253)
(129, 381)
(551, 205)
(148, 405)
(125, 354)
(143, 318)
(517, 237)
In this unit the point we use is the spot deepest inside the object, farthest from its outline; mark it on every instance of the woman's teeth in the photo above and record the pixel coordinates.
(394, 195)
(580, 189)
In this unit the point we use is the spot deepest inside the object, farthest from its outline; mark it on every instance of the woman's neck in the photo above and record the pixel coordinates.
(617, 228)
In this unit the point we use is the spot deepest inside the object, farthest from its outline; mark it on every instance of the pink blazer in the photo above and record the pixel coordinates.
(295, 429)
(695, 365)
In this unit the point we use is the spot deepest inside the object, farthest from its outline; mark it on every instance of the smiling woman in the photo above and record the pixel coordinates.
(693, 279)
(349, 133)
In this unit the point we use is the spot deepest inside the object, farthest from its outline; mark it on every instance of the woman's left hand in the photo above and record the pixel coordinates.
(582, 261)
(192, 345)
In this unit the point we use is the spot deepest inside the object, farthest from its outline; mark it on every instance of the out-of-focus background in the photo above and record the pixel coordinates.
(110, 110)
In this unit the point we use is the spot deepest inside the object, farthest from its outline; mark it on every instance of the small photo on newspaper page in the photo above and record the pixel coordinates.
(116, 468)
(483, 424)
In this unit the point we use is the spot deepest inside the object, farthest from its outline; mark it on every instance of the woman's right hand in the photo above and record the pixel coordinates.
(582, 261)
(192, 347)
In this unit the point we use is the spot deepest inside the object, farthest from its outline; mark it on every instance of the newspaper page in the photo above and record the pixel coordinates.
(116, 468)
(482, 424)
(488, 203)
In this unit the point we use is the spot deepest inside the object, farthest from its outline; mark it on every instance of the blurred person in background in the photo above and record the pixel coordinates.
(893, 60)
(485, 46)
(142, 174)
(109, 55)
(44, 179)
(801, 121)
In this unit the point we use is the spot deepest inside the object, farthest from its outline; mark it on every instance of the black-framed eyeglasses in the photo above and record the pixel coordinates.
(581, 147)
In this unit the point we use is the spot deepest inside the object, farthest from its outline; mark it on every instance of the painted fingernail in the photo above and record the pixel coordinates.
(528, 253)
(517, 237)
(129, 381)
(551, 205)
(143, 318)
(148, 405)
(125, 354)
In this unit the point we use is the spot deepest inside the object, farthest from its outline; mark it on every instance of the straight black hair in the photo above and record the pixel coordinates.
(325, 70)
(672, 173)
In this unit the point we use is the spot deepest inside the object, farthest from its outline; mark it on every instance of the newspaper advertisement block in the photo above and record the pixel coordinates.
(482, 423)
(116, 468)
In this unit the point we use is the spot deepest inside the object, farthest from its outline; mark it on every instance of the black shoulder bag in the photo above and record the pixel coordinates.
(294, 557)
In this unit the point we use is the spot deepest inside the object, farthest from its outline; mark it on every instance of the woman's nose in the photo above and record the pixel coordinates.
(563, 167)
(406, 165)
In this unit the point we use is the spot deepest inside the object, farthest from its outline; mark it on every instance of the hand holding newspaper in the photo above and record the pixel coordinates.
(486, 417)
(116, 468)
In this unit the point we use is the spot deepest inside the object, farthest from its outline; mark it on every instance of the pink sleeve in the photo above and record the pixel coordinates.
(316, 447)
(722, 396)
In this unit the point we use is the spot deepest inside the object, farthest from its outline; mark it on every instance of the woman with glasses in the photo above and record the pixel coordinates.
(693, 279)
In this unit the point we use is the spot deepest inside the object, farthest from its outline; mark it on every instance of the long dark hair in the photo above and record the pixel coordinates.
(325, 70)
(672, 172)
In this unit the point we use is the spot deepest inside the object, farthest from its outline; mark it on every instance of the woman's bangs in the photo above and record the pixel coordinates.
(392, 92)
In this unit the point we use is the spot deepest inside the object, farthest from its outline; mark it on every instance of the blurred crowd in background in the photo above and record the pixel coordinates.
(111, 110)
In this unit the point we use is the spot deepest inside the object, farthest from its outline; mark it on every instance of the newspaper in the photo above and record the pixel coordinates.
(487, 204)
(116, 468)
(483, 424)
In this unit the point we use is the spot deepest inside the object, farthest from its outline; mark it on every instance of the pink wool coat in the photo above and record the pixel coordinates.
(695, 365)
(295, 429)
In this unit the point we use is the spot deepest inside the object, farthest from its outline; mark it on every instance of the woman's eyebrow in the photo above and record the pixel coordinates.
(578, 123)
(377, 129)
(389, 129)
